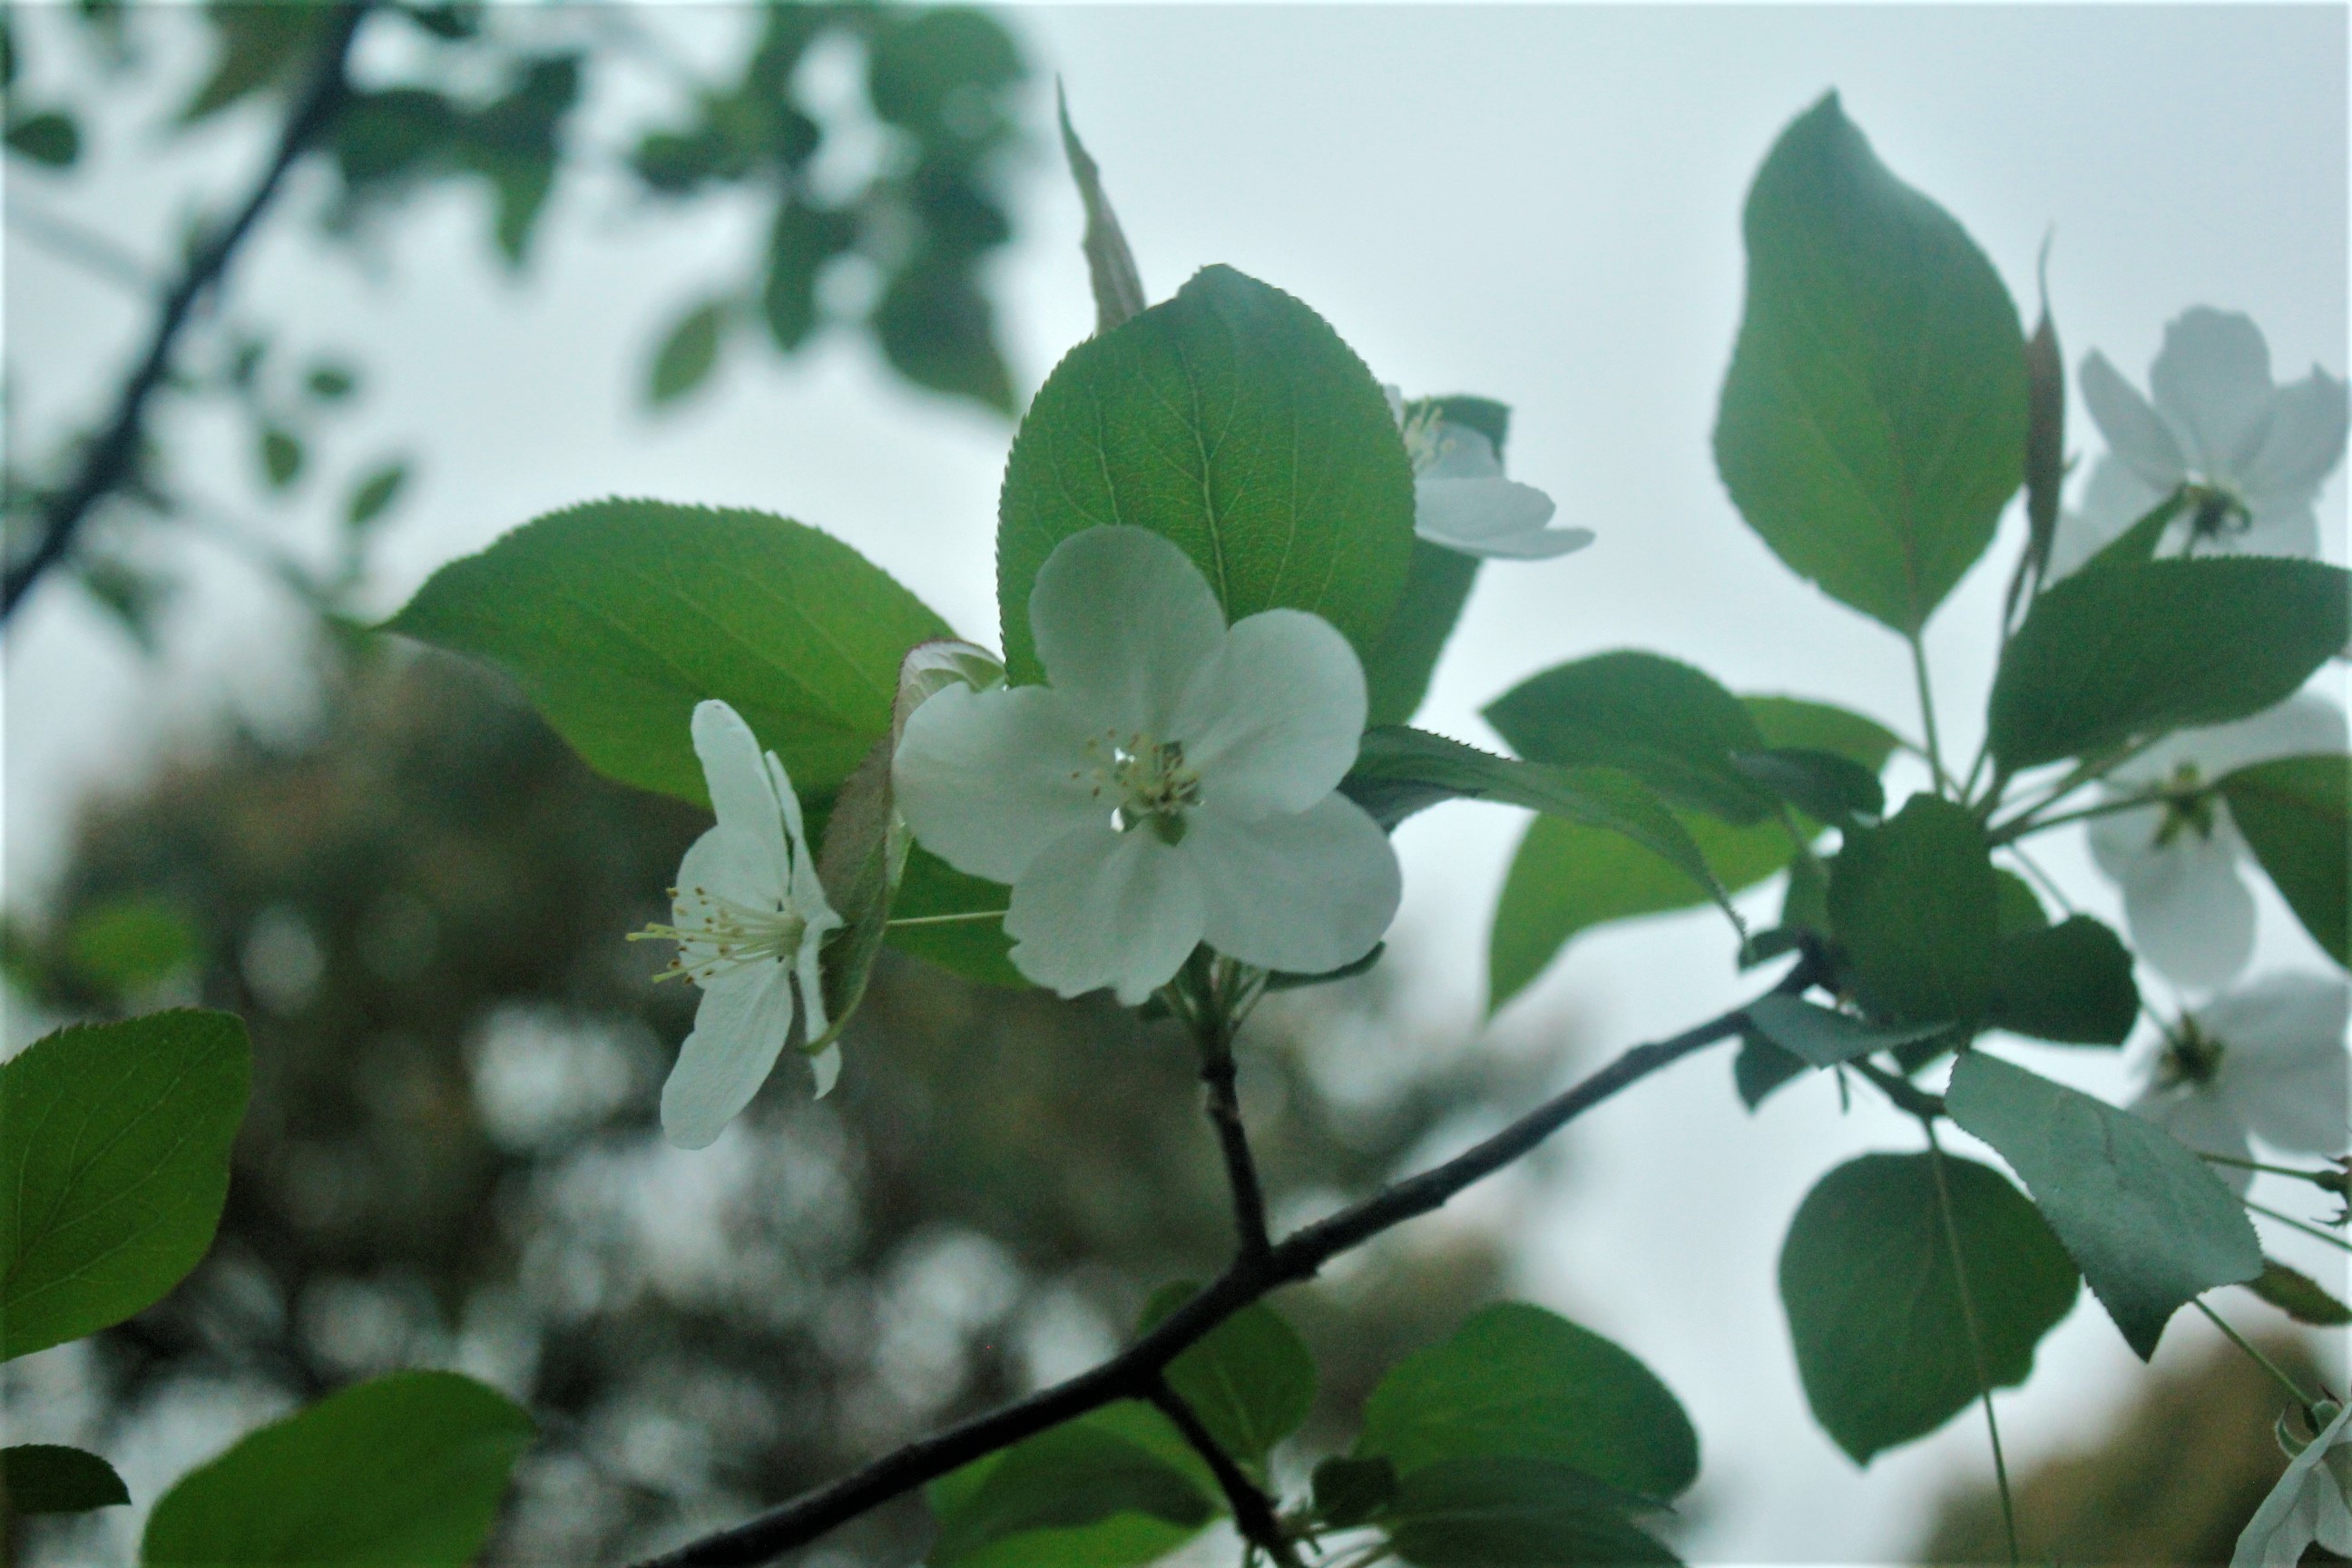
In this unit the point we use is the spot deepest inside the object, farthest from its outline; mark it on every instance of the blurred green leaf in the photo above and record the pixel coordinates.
(688, 354)
(938, 330)
(373, 495)
(1874, 419)
(2299, 1296)
(805, 238)
(2017, 909)
(2071, 983)
(618, 616)
(383, 137)
(2115, 655)
(113, 1167)
(1251, 1379)
(942, 73)
(1090, 1493)
(1914, 903)
(1515, 1512)
(2147, 1224)
(1348, 1492)
(1669, 725)
(45, 1477)
(1824, 785)
(255, 47)
(1819, 1037)
(126, 944)
(332, 383)
(281, 456)
(2296, 816)
(406, 1469)
(51, 138)
(1760, 1067)
(1876, 1311)
(515, 142)
(975, 949)
(1799, 722)
(1437, 584)
(1234, 421)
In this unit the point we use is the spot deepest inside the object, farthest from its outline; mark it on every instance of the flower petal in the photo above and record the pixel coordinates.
(1122, 619)
(739, 1029)
(1542, 544)
(2114, 498)
(2279, 530)
(2289, 1518)
(2308, 420)
(1490, 516)
(2189, 912)
(2213, 381)
(1272, 721)
(740, 793)
(825, 1068)
(2201, 1118)
(1306, 892)
(2284, 1070)
(807, 889)
(987, 779)
(724, 864)
(2136, 435)
(1101, 907)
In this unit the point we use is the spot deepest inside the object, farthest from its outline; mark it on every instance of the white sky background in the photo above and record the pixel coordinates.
(1533, 202)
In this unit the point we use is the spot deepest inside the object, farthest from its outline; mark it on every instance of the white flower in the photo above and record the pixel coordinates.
(2307, 1506)
(2191, 912)
(2215, 420)
(2268, 1061)
(1461, 498)
(1173, 784)
(749, 916)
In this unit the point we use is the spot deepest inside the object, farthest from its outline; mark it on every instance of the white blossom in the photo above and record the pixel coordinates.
(2307, 1507)
(2213, 418)
(749, 918)
(1461, 498)
(2180, 866)
(1174, 782)
(2268, 1061)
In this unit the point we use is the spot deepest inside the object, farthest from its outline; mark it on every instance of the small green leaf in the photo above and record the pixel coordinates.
(1760, 1067)
(1110, 265)
(2297, 817)
(1102, 1491)
(1668, 724)
(688, 354)
(1515, 1381)
(1819, 1037)
(373, 494)
(2137, 545)
(405, 1470)
(1251, 1379)
(113, 1167)
(1807, 725)
(50, 138)
(1874, 419)
(281, 456)
(619, 615)
(2299, 1296)
(1875, 1309)
(805, 238)
(1823, 786)
(2117, 655)
(1233, 420)
(1436, 587)
(2147, 1224)
(2071, 983)
(125, 944)
(332, 383)
(2017, 908)
(1914, 904)
(45, 1478)
(938, 330)
(1515, 1512)
(2045, 437)
(1348, 1492)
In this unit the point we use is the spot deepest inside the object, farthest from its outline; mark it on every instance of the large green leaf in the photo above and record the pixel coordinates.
(2147, 1224)
(1914, 904)
(620, 615)
(113, 1166)
(1514, 1512)
(1251, 1379)
(2121, 653)
(1515, 1381)
(403, 1472)
(2071, 983)
(2296, 816)
(1396, 676)
(1233, 420)
(1873, 419)
(1801, 723)
(1669, 725)
(1110, 1489)
(47, 1478)
(1874, 1307)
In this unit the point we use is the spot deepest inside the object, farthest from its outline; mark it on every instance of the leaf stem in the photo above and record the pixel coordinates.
(905, 920)
(1976, 1336)
(1928, 714)
(1254, 1513)
(2327, 1180)
(2294, 1390)
(2307, 1228)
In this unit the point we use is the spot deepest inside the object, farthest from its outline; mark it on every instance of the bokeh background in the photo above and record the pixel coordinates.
(215, 791)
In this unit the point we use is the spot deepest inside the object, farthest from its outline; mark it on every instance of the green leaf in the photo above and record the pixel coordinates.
(2117, 655)
(1914, 904)
(1233, 420)
(688, 354)
(1567, 879)
(1668, 724)
(975, 948)
(2147, 1224)
(1110, 265)
(2137, 545)
(1876, 1311)
(373, 494)
(2299, 1296)
(113, 1167)
(1807, 725)
(332, 383)
(50, 138)
(2045, 436)
(619, 615)
(1348, 1492)
(2071, 983)
(125, 944)
(1760, 1067)
(1514, 1512)
(805, 238)
(1874, 419)
(1515, 1381)
(1102, 1491)
(257, 47)
(1436, 587)
(281, 456)
(406, 1469)
(2017, 909)
(45, 1478)
(1824, 785)
(2295, 817)
(1819, 1037)
(1251, 1379)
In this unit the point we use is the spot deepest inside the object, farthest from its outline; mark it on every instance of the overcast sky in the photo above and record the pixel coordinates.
(1539, 204)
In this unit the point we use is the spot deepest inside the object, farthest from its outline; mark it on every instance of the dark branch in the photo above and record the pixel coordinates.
(1215, 1036)
(1254, 1513)
(1132, 1374)
(111, 456)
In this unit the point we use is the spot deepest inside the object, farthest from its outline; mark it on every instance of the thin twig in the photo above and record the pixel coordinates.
(1254, 1513)
(1976, 1335)
(1129, 1376)
(111, 456)
(2294, 1390)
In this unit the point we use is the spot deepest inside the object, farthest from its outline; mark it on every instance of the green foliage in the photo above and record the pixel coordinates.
(2119, 654)
(1874, 1307)
(50, 138)
(2299, 1296)
(1112, 1489)
(45, 1478)
(255, 47)
(1233, 420)
(688, 355)
(1517, 1383)
(280, 452)
(1348, 1492)
(1761, 1067)
(2071, 983)
(1397, 672)
(1818, 1038)
(2147, 1223)
(805, 239)
(373, 494)
(406, 1471)
(975, 949)
(1823, 786)
(131, 943)
(1669, 725)
(1874, 419)
(618, 616)
(113, 1167)
(1801, 723)
(2017, 909)
(1250, 1379)
(1514, 1513)
(1914, 905)
(2297, 817)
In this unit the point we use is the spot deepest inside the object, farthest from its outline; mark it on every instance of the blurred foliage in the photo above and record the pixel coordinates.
(2181, 1469)
(451, 1156)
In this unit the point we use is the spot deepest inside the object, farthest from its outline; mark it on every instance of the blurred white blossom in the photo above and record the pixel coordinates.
(2267, 1060)
(1461, 498)
(2306, 1507)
